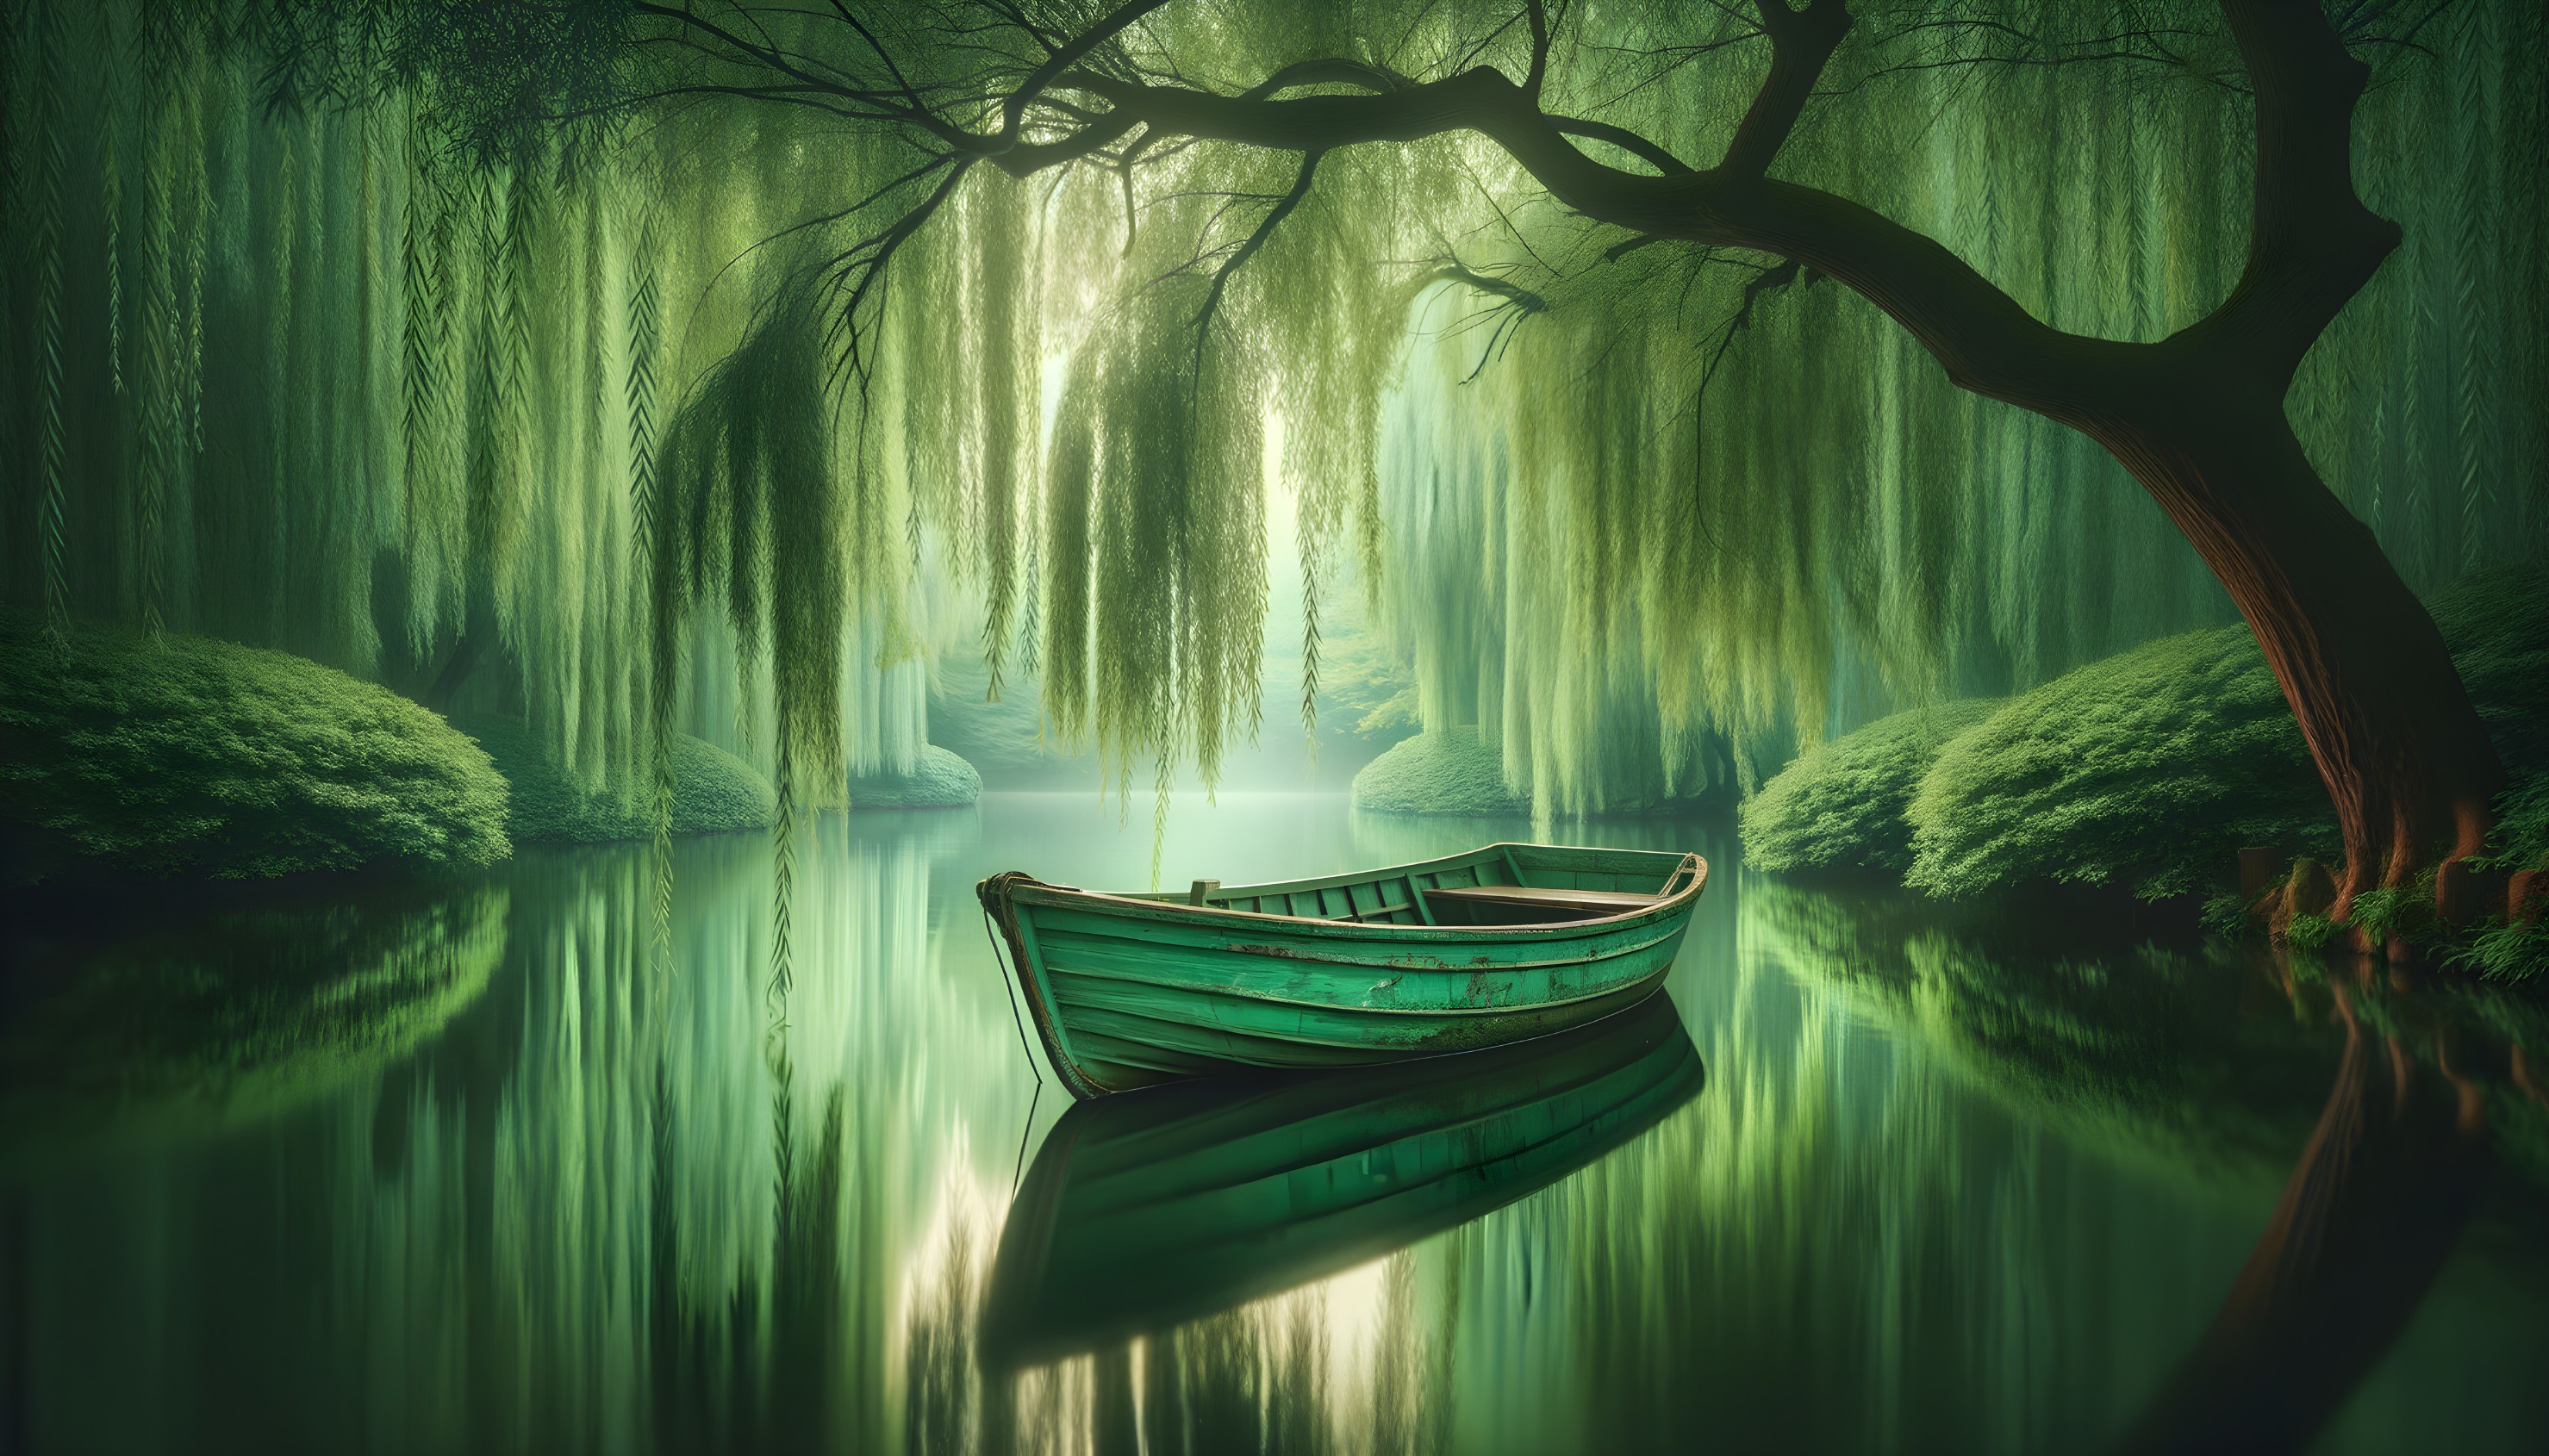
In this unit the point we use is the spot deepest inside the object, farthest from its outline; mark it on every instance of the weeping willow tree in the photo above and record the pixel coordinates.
(1700, 437)
(303, 360)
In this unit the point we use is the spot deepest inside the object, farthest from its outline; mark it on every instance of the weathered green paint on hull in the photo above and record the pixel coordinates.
(1146, 1210)
(1355, 970)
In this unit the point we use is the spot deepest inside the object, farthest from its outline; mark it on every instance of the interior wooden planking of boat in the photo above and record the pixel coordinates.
(1494, 946)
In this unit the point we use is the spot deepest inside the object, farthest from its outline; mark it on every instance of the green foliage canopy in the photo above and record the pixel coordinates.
(483, 293)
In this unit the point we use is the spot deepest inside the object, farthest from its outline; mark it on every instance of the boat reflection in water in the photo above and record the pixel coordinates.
(1149, 1209)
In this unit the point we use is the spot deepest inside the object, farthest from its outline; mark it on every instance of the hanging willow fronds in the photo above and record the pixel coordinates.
(52, 444)
(12, 204)
(110, 185)
(162, 442)
(2476, 374)
(198, 212)
(1611, 570)
(645, 334)
(656, 563)
(13, 18)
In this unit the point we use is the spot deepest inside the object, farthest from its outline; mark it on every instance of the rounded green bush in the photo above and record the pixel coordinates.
(1840, 806)
(1446, 772)
(187, 756)
(2149, 768)
(942, 779)
(713, 791)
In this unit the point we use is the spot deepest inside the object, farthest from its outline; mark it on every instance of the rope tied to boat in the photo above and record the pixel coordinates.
(1009, 983)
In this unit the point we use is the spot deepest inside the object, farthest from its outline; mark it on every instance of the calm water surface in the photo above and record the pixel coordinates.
(472, 1169)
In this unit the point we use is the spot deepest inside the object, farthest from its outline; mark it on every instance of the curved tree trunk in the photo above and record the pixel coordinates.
(2406, 762)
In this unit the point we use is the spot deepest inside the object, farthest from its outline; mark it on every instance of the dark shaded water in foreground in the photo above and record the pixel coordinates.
(457, 1171)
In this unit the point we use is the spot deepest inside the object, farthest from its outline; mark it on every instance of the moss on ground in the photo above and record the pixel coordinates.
(713, 791)
(941, 780)
(1446, 772)
(1840, 806)
(194, 758)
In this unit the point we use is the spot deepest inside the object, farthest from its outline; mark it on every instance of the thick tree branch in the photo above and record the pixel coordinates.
(2311, 244)
(1986, 340)
(1627, 140)
(1538, 11)
(1802, 42)
(1328, 71)
(1264, 229)
(1072, 51)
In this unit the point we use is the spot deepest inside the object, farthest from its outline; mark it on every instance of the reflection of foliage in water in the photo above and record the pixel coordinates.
(2491, 1043)
(2209, 1061)
(1841, 1247)
(561, 1225)
(237, 1014)
(2190, 1056)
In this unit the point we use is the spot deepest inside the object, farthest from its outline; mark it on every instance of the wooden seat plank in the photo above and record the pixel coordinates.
(1606, 902)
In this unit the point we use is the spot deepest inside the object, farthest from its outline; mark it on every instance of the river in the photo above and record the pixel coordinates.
(491, 1168)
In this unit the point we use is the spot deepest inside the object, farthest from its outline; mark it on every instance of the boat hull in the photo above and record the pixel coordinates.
(1127, 993)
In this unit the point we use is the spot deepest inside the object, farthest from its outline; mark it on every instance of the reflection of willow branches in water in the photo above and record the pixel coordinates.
(789, 1365)
(1355, 1363)
(795, 1361)
(556, 1219)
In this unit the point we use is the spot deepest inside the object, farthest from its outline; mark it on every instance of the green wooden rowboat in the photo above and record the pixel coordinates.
(1146, 1210)
(1497, 944)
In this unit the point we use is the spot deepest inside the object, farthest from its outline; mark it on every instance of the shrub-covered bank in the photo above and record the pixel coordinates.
(941, 780)
(1455, 770)
(2150, 770)
(194, 758)
(1446, 772)
(1844, 803)
(713, 791)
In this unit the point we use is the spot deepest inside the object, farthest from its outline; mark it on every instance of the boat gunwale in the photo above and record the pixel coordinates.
(1045, 892)
(1007, 895)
